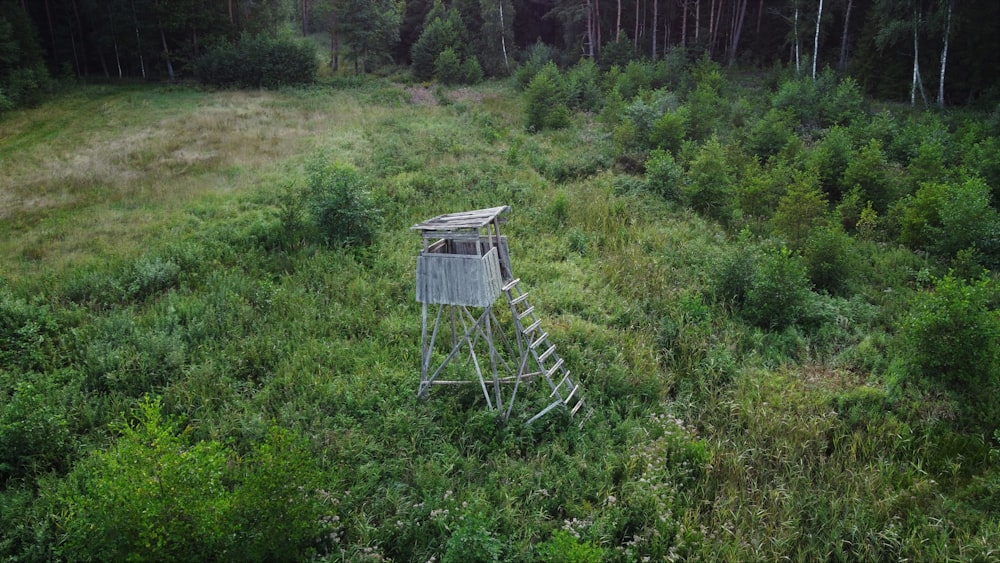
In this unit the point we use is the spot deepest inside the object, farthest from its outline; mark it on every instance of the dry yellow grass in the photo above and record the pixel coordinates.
(100, 174)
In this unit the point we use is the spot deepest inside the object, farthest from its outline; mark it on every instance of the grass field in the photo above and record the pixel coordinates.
(194, 369)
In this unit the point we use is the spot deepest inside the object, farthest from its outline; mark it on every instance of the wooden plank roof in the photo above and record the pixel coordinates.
(463, 220)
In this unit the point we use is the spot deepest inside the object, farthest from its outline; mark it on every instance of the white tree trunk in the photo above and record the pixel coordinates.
(944, 54)
(503, 39)
(819, 18)
(795, 29)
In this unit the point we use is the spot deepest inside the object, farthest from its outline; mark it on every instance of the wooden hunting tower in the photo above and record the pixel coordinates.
(464, 268)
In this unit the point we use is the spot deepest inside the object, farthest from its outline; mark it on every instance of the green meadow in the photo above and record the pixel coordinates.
(192, 368)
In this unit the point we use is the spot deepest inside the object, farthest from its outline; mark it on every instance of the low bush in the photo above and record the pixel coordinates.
(258, 62)
(769, 288)
(340, 204)
(946, 218)
(546, 102)
(664, 176)
(951, 342)
(158, 491)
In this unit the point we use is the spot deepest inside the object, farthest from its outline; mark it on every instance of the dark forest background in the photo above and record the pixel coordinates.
(925, 51)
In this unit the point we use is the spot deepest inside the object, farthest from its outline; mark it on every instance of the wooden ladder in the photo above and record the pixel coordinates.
(535, 346)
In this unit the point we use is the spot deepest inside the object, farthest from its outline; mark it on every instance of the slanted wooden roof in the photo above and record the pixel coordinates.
(463, 220)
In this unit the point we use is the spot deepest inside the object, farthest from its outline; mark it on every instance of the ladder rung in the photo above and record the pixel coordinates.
(562, 382)
(554, 369)
(519, 298)
(551, 406)
(577, 407)
(526, 312)
(547, 353)
(533, 326)
(511, 284)
(539, 341)
(570, 396)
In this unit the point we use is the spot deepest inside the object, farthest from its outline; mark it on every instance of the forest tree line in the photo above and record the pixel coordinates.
(940, 52)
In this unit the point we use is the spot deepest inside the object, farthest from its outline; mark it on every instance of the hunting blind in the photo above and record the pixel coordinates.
(464, 269)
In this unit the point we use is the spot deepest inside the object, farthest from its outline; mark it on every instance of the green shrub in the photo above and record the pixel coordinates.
(869, 171)
(340, 204)
(616, 53)
(29, 334)
(802, 208)
(769, 135)
(768, 287)
(564, 547)
(710, 185)
(945, 218)
(841, 105)
(951, 341)
(780, 295)
(473, 541)
(258, 62)
(800, 98)
(664, 176)
(157, 492)
(829, 259)
(705, 112)
(448, 67)
(583, 91)
(829, 158)
(668, 131)
(472, 71)
(443, 30)
(539, 56)
(546, 103)
(35, 431)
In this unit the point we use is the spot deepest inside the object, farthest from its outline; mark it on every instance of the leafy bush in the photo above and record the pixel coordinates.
(546, 103)
(663, 175)
(769, 135)
(841, 105)
(539, 56)
(29, 333)
(946, 218)
(340, 204)
(708, 190)
(769, 288)
(780, 295)
(564, 547)
(869, 170)
(157, 491)
(829, 158)
(35, 433)
(829, 259)
(802, 208)
(668, 131)
(448, 67)
(951, 341)
(442, 31)
(258, 62)
(472, 71)
(582, 84)
(616, 53)
(800, 98)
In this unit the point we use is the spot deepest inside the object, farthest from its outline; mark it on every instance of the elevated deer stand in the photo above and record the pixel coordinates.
(464, 267)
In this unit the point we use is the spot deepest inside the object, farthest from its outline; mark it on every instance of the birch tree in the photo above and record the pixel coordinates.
(899, 21)
(819, 18)
(944, 52)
